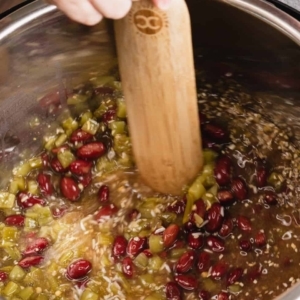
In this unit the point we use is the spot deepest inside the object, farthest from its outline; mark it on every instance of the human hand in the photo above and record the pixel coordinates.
(91, 12)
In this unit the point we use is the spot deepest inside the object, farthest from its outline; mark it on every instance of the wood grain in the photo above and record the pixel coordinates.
(156, 66)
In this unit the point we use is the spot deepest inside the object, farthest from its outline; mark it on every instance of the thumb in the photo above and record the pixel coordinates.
(162, 4)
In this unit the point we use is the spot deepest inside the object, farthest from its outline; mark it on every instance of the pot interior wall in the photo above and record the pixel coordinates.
(52, 54)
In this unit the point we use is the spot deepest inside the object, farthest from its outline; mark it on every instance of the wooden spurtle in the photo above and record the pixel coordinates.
(157, 72)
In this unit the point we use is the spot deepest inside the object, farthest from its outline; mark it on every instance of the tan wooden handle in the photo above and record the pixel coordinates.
(157, 71)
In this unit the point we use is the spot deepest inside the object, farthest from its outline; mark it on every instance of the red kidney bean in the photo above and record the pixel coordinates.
(57, 166)
(15, 220)
(79, 269)
(45, 184)
(223, 296)
(26, 200)
(105, 212)
(270, 197)
(170, 235)
(187, 282)
(58, 211)
(80, 167)
(216, 132)
(3, 276)
(261, 176)
(103, 194)
(127, 267)
(227, 228)
(195, 240)
(45, 159)
(203, 263)
(136, 245)
(178, 206)
(243, 223)
(254, 272)
(214, 217)
(80, 135)
(91, 150)
(85, 180)
(60, 149)
(148, 253)
(199, 208)
(119, 246)
(245, 245)
(69, 188)
(108, 116)
(30, 261)
(223, 169)
(260, 239)
(133, 215)
(36, 247)
(219, 270)
(239, 189)
(104, 90)
(234, 276)
(215, 244)
(177, 245)
(163, 255)
(185, 262)
(204, 295)
(189, 226)
(82, 284)
(225, 197)
(52, 98)
(172, 291)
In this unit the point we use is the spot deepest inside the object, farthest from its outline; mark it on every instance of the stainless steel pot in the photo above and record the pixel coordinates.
(42, 51)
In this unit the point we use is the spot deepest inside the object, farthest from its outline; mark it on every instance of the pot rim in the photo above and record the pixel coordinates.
(264, 11)
(271, 15)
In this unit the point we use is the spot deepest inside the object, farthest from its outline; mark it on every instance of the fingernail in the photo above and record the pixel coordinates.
(164, 4)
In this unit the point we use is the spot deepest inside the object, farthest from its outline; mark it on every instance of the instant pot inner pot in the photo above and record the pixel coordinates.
(50, 55)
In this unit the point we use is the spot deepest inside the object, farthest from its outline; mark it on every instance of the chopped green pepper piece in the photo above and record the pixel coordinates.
(85, 117)
(209, 156)
(9, 234)
(17, 184)
(36, 162)
(50, 142)
(69, 124)
(22, 170)
(121, 111)
(61, 139)
(17, 273)
(77, 99)
(89, 295)
(155, 263)
(33, 187)
(7, 200)
(117, 127)
(102, 81)
(42, 297)
(156, 243)
(65, 158)
(10, 289)
(141, 261)
(91, 126)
